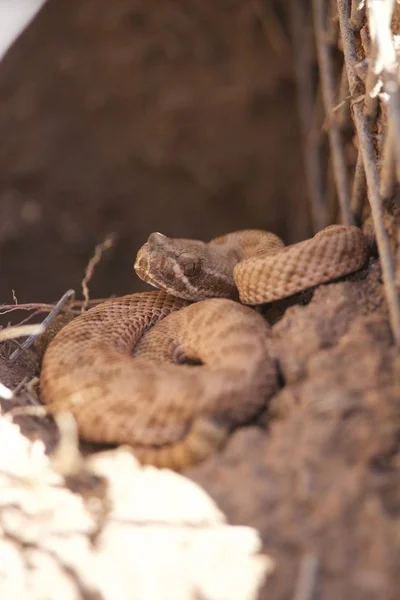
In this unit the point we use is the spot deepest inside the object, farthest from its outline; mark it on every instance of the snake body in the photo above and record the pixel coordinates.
(170, 377)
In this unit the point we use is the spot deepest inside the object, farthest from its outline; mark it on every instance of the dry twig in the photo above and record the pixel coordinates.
(67, 297)
(307, 579)
(106, 244)
(11, 333)
(357, 14)
(304, 59)
(371, 172)
(359, 189)
(388, 178)
(329, 95)
(385, 65)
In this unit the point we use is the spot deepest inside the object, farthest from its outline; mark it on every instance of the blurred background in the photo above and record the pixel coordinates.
(136, 116)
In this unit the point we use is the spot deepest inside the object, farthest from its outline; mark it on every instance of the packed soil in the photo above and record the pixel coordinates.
(130, 117)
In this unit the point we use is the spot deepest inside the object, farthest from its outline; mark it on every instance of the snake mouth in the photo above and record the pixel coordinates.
(142, 269)
(146, 277)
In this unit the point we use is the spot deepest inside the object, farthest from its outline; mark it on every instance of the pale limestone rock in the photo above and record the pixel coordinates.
(161, 536)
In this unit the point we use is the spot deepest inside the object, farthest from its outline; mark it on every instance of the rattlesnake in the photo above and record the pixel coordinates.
(175, 393)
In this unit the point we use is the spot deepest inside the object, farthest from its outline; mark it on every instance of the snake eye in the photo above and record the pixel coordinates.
(189, 265)
(190, 269)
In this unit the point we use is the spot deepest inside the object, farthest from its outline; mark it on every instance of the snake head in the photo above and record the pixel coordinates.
(188, 269)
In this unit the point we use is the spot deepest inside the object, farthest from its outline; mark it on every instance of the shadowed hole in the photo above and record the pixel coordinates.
(192, 361)
(182, 356)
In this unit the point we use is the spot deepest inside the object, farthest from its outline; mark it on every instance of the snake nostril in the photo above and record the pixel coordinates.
(141, 263)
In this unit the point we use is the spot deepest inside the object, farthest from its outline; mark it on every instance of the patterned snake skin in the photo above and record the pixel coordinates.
(172, 378)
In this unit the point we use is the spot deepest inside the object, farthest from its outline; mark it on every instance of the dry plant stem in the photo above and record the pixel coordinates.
(331, 196)
(106, 244)
(366, 43)
(8, 308)
(307, 579)
(40, 412)
(343, 112)
(40, 308)
(67, 297)
(11, 333)
(357, 14)
(303, 59)
(370, 79)
(385, 64)
(388, 178)
(361, 68)
(328, 93)
(371, 173)
(66, 458)
(359, 190)
(332, 25)
(371, 96)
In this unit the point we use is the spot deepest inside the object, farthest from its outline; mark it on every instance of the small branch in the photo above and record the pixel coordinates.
(39, 307)
(372, 89)
(66, 458)
(359, 189)
(361, 68)
(388, 176)
(307, 579)
(303, 57)
(369, 160)
(67, 297)
(11, 333)
(106, 244)
(357, 14)
(8, 308)
(328, 94)
(343, 108)
(385, 65)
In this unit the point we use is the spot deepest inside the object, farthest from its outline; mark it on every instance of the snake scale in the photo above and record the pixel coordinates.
(172, 372)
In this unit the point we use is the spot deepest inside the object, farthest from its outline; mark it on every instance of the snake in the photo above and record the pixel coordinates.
(172, 372)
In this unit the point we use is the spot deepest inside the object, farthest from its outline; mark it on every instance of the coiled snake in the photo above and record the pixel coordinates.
(204, 368)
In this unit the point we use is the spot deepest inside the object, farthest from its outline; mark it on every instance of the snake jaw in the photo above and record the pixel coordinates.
(142, 268)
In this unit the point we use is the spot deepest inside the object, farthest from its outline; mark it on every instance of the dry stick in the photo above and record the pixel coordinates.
(98, 252)
(371, 173)
(372, 89)
(67, 297)
(39, 307)
(328, 93)
(359, 189)
(331, 196)
(366, 41)
(333, 25)
(388, 177)
(307, 579)
(342, 110)
(385, 66)
(8, 308)
(10, 333)
(303, 54)
(372, 84)
(357, 14)
(361, 68)
(66, 458)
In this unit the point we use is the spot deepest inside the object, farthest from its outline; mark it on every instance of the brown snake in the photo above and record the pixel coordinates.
(175, 393)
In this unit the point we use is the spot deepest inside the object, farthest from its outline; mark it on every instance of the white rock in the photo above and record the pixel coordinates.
(162, 537)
